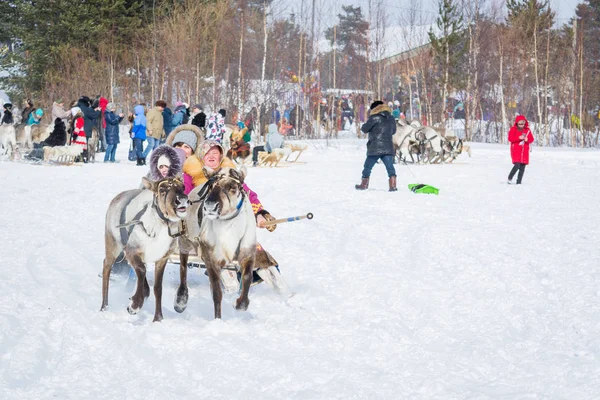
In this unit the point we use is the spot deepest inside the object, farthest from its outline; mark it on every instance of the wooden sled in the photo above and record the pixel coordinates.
(229, 281)
(269, 159)
(65, 160)
(299, 148)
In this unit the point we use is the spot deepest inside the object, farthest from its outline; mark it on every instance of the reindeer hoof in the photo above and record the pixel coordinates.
(181, 300)
(104, 307)
(132, 310)
(157, 318)
(242, 304)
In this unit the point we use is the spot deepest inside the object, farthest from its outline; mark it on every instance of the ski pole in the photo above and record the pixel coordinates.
(289, 219)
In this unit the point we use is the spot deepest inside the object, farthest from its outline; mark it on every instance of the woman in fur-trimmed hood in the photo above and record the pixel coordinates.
(166, 158)
(380, 127)
(188, 134)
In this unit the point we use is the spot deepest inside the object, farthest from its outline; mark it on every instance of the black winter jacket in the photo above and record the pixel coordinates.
(7, 118)
(89, 118)
(380, 126)
(199, 120)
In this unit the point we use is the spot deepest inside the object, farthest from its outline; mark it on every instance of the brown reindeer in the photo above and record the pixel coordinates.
(142, 225)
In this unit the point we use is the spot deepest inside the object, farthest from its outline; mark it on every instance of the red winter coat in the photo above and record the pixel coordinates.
(103, 103)
(519, 149)
(79, 133)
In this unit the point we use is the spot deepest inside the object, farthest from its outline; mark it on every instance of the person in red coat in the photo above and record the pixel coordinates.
(519, 137)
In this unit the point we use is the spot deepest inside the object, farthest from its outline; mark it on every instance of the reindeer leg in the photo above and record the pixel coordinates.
(146, 288)
(159, 271)
(247, 265)
(108, 262)
(181, 298)
(137, 300)
(215, 286)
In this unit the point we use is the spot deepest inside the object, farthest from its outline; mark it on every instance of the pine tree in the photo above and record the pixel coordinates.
(48, 29)
(449, 46)
(351, 40)
(530, 22)
(588, 26)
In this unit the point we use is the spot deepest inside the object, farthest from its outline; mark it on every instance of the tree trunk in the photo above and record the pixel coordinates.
(537, 78)
(501, 84)
(197, 80)
(545, 102)
(298, 87)
(239, 89)
(139, 80)
(112, 79)
(214, 62)
(581, 87)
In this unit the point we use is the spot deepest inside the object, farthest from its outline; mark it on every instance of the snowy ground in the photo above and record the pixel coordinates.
(487, 291)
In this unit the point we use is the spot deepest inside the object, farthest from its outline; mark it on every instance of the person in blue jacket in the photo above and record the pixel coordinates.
(138, 133)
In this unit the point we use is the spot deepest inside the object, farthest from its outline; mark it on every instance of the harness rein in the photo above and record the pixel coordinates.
(208, 186)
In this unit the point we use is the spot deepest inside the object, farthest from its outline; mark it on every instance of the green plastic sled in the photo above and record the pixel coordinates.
(422, 188)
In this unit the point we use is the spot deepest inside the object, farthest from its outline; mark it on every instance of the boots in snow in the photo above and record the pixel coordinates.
(364, 184)
(393, 184)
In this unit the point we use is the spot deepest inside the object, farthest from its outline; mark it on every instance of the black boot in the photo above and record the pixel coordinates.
(139, 162)
(392, 182)
(364, 184)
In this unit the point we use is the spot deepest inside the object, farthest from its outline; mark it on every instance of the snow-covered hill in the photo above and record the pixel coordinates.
(486, 291)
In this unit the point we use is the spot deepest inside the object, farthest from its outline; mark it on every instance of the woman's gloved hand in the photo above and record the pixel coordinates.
(263, 217)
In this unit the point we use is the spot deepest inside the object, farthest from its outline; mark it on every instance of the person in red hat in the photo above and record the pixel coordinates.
(520, 137)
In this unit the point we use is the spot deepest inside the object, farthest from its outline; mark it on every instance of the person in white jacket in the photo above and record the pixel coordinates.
(274, 140)
(58, 111)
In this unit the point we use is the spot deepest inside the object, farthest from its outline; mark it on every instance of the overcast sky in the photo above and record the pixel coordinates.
(397, 10)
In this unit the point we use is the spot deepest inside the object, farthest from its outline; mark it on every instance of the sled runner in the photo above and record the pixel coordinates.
(231, 275)
(300, 147)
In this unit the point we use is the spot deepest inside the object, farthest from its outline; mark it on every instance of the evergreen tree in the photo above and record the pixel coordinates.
(588, 30)
(351, 40)
(529, 22)
(449, 47)
(48, 28)
(7, 12)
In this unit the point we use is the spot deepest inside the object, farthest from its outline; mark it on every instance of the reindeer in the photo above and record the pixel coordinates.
(432, 145)
(8, 140)
(27, 135)
(142, 226)
(225, 232)
(404, 140)
(92, 144)
(429, 144)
